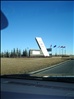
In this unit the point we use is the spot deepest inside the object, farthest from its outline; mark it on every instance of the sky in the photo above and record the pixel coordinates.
(51, 20)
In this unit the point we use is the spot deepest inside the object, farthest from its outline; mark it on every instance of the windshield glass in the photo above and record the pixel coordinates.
(38, 38)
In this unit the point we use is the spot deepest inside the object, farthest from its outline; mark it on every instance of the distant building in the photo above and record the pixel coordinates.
(42, 52)
(35, 53)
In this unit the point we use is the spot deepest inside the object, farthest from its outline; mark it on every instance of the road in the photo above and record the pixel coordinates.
(65, 68)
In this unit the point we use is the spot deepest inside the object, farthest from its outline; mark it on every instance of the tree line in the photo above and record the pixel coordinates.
(14, 53)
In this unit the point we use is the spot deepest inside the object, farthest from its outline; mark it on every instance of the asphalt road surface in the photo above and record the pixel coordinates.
(65, 68)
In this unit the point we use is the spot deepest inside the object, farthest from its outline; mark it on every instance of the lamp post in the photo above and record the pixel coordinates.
(28, 51)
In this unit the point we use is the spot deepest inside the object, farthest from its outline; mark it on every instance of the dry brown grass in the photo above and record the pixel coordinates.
(26, 65)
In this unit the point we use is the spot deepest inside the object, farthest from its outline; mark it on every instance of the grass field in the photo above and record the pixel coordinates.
(26, 65)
